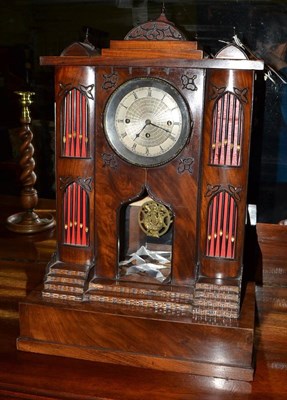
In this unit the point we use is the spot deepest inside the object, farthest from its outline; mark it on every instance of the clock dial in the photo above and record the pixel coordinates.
(147, 121)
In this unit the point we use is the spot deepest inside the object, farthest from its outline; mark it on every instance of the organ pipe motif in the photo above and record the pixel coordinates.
(76, 215)
(75, 124)
(221, 226)
(227, 129)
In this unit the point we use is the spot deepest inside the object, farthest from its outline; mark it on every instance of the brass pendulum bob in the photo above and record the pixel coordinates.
(28, 221)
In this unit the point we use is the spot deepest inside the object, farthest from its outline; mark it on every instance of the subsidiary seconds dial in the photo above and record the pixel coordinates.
(147, 121)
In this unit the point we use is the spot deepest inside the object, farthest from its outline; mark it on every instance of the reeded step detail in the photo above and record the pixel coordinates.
(216, 300)
(65, 281)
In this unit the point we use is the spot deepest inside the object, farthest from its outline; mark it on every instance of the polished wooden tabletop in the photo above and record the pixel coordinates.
(23, 259)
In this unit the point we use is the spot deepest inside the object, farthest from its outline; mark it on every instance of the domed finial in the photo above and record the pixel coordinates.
(159, 29)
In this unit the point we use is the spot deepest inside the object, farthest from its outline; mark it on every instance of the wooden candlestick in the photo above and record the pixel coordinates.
(28, 221)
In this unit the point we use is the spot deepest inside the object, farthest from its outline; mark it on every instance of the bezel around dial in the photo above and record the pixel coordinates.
(114, 136)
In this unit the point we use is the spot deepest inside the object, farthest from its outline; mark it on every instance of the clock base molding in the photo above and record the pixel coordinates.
(166, 340)
(205, 298)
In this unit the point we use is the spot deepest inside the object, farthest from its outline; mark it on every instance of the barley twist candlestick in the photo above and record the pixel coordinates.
(28, 221)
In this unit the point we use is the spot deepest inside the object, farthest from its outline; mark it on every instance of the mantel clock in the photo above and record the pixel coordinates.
(152, 148)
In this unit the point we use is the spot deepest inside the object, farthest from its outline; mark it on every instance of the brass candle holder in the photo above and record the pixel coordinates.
(28, 221)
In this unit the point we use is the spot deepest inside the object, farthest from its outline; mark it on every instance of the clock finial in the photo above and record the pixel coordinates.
(85, 48)
(87, 35)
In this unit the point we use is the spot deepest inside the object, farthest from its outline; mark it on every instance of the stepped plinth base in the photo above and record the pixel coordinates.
(133, 336)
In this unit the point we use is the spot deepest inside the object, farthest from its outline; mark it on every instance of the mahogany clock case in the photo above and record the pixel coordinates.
(199, 320)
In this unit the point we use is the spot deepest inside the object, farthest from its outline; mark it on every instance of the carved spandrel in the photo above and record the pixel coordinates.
(109, 160)
(110, 80)
(85, 183)
(85, 90)
(188, 82)
(234, 191)
(185, 165)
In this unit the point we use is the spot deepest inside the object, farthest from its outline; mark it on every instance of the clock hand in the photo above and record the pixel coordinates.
(148, 122)
(138, 134)
(160, 127)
